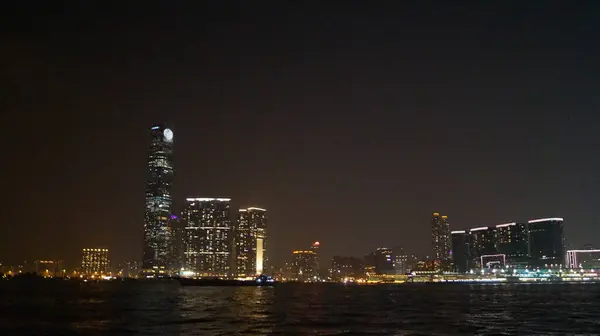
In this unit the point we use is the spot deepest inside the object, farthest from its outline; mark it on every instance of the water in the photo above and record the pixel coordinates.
(65, 308)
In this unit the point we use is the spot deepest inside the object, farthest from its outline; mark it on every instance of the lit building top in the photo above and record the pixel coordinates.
(505, 225)
(303, 252)
(479, 228)
(458, 232)
(555, 219)
(200, 199)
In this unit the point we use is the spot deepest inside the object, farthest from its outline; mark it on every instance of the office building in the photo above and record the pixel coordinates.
(547, 242)
(208, 236)
(440, 238)
(345, 268)
(401, 261)
(251, 242)
(304, 266)
(461, 255)
(94, 262)
(158, 201)
(381, 261)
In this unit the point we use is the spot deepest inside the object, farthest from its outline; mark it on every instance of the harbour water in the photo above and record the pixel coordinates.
(72, 308)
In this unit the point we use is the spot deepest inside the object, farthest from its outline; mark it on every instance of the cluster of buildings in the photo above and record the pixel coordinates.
(206, 239)
(538, 243)
(209, 238)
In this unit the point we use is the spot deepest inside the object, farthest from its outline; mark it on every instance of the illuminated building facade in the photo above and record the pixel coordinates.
(347, 268)
(94, 261)
(440, 238)
(547, 242)
(587, 258)
(208, 236)
(513, 241)
(482, 241)
(461, 255)
(251, 242)
(158, 200)
(304, 266)
(315, 248)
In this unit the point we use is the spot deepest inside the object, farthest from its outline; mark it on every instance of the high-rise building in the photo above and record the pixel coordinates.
(177, 245)
(304, 266)
(315, 248)
(208, 238)
(401, 261)
(158, 200)
(440, 238)
(482, 243)
(251, 242)
(461, 256)
(547, 242)
(512, 240)
(346, 268)
(94, 261)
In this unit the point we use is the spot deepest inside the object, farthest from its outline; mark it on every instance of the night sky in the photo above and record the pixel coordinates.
(350, 124)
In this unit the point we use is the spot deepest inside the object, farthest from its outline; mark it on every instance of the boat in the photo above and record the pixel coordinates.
(262, 280)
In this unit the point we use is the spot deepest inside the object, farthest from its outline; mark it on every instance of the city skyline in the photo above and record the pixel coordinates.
(350, 124)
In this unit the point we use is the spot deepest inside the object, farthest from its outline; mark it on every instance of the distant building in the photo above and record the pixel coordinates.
(461, 255)
(547, 242)
(587, 258)
(315, 248)
(94, 261)
(177, 244)
(512, 240)
(304, 266)
(159, 176)
(440, 238)
(346, 267)
(482, 243)
(49, 268)
(401, 261)
(251, 242)
(208, 236)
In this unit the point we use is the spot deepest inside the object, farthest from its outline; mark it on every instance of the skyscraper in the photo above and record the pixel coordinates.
(208, 243)
(304, 266)
(158, 200)
(513, 241)
(251, 242)
(547, 242)
(440, 238)
(461, 256)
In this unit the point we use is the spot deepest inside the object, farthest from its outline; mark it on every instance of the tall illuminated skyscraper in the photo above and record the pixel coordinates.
(251, 242)
(158, 200)
(208, 239)
(440, 237)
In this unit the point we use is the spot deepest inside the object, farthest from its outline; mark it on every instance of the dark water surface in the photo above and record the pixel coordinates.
(65, 308)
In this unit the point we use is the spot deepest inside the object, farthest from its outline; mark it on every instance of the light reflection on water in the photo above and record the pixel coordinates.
(296, 309)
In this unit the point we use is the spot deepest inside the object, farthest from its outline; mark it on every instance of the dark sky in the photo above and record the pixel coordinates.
(350, 124)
